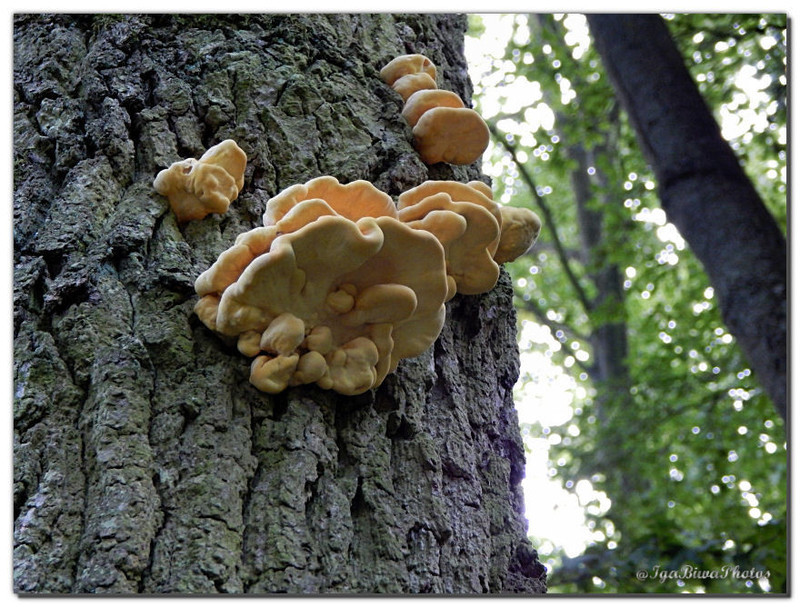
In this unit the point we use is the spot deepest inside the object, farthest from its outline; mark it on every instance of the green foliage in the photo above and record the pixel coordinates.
(721, 50)
(475, 26)
(678, 435)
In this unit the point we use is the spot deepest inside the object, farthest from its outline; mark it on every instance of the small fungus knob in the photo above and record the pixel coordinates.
(196, 188)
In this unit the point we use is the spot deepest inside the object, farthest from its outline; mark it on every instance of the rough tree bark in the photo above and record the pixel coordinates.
(703, 189)
(144, 461)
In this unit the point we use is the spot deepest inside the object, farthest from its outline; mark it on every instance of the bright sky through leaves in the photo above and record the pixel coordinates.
(546, 393)
(553, 392)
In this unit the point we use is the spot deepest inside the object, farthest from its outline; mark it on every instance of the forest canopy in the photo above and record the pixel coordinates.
(635, 397)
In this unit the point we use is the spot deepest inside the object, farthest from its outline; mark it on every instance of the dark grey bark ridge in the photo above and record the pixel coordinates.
(144, 461)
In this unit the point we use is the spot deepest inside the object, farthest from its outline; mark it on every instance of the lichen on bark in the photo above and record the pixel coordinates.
(144, 461)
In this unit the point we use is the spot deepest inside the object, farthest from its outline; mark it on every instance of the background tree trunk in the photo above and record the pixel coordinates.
(144, 461)
(703, 189)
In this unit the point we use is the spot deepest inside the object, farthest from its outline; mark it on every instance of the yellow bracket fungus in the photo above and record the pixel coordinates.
(443, 129)
(520, 230)
(323, 296)
(196, 188)
(408, 74)
(326, 196)
(476, 232)
(466, 222)
(340, 284)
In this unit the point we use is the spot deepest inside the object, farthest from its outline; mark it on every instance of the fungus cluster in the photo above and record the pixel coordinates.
(443, 129)
(477, 233)
(340, 283)
(333, 290)
(196, 188)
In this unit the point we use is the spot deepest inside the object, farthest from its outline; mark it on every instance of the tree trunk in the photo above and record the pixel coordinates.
(703, 189)
(144, 461)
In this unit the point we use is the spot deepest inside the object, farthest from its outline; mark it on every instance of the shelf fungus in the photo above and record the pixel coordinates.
(340, 284)
(196, 188)
(477, 233)
(466, 222)
(443, 129)
(333, 290)
(408, 74)
(520, 229)
(298, 204)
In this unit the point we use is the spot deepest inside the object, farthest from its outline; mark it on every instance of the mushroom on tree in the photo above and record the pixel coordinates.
(339, 285)
(422, 101)
(408, 74)
(326, 196)
(476, 232)
(519, 231)
(519, 227)
(321, 297)
(443, 129)
(196, 188)
(466, 222)
(454, 135)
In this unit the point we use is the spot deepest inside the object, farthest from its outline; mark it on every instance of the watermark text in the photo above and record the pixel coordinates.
(689, 572)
